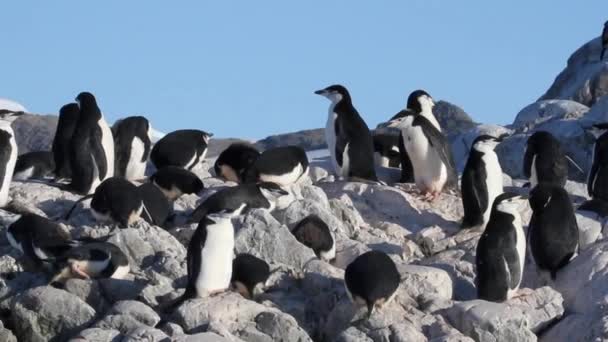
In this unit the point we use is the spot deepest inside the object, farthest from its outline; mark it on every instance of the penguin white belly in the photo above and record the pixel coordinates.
(533, 175)
(121, 272)
(345, 162)
(494, 182)
(10, 168)
(330, 138)
(284, 179)
(217, 255)
(107, 141)
(190, 164)
(520, 245)
(135, 167)
(381, 160)
(429, 171)
(100, 217)
(25, 174)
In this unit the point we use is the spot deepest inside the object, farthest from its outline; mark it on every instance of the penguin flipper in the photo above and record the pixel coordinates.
(512, 259)
(98, 153)
(475, 194)
(528, 158)
(341, 143)
(593, 172)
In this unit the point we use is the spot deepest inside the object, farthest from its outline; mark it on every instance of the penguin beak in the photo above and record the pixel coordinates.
(321, 92)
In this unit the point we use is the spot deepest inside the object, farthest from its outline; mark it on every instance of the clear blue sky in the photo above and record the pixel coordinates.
(249, 69)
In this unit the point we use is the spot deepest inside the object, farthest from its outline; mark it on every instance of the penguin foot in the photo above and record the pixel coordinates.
(523, 292)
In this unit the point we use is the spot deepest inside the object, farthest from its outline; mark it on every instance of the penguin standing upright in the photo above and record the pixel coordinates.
(545, 160)
(419, 102)
(68, 118)
(184, 148)
(481, 181)
(8, 153)
(283, 166)
(597, 182)
(501, 251)
(91, 147)
(348, 138)
(604, 41)
(232, 164)
(429, 152)
(553, 230)
(132, 146)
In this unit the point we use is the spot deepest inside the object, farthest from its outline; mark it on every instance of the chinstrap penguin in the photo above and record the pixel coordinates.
(157, 208)
(371, 280)
(604, 41)
(545, 160)
(386, 150)
(174, 182)
(233, 163)
(348, 138)
(68, 118)
(131, 147)
(249, 275)
(597, 181)
(92, 260)
(283, 166)
(184, 148)
(501, 250)
(314, 233)
(34, 165)
(481, 181)
(8, 153)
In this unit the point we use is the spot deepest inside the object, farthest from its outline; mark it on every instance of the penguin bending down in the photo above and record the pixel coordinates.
(157, 208)
(597, 182)
(545, 160)
(68, 118)
(348, 138)
(372, 280)
(604, 41)
(210, 254)
(283, 166)
(174, 181)
(34, 165)
(249, 275)
(92, 260)
(261, 195)
(595, 205)
(429, 152)
(481, 181)
(8, 153)
(501, 251)
(386, 150)
(184, 148)
(132, 147)
(419, 102)
(91, 147)
(232, 164)
(314, 233)
(553, 230)
(115, 200)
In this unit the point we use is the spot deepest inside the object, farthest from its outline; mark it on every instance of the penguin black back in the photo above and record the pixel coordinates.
(248, 273)
(124, 132)
(282, 165)
(386, 147)
(233, 162)
(553, 229)
(597, 182)
(175, 181)
(314, 233)
(157, 208)
(545, 160)
(182, 148)
(36, 165)
(119, 199)
(68, 118)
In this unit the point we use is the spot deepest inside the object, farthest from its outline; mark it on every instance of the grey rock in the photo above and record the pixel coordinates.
(122, 323)
(592, 326)
(98, 335)
(137, 310)
(451, 118)
(311, 139)
(589, 228)
(146, 334)
(34, 132)
(425, 281)
(461, 143)
(48, 314)
(202, 337)
(545, 110)
(87, 290)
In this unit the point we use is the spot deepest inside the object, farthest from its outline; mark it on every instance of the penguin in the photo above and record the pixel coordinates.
(174, 181)
(234, 161)
(553, 230)
(39, 240)
(283, 166)
(348, 138)
(92, 260)
(501, 250)
(595, 205)
(429, 152)
(419, 102)
(34, 165)
(115, 200)
(157, 208)
(185, 148)
(210, 254)
(544, 160)
(597, 181)
(372, 280)
(261, 195)
(386, 150)
(314, 233)
(91, 147)
(68, 118)
(131, 147)
(249, 275)
(604, 41)
(8, 153)
(481, 181)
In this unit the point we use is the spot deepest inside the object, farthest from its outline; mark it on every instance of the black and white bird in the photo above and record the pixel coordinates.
(372, 280)
(91, 147)
(597, 181)
(184, 148)
(314, 233)
(481, 182)
(34, 165)
(386, 150)
(92, 260)
(249, 275)
(68, 118)
(233, 163)
(175, 181)
(553, 230)
(429, 152)
(157, 207)
(348, 138)
(545, 160)
(8, 152)
(604, 41)
(501, 251)
(132, 145)
(283, 166)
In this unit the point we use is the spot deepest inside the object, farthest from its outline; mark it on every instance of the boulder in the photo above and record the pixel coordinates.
(545, 110)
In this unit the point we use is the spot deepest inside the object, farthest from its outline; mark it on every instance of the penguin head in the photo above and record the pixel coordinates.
(226, 214)
(85, 99)
(335, 93)
(403, 119)
(486, 142)
(540, 138)
(86, 261)
(207, 136)
(9, 115)
(598, 130)
(272, 192)
(420, 101)
(509, 202)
